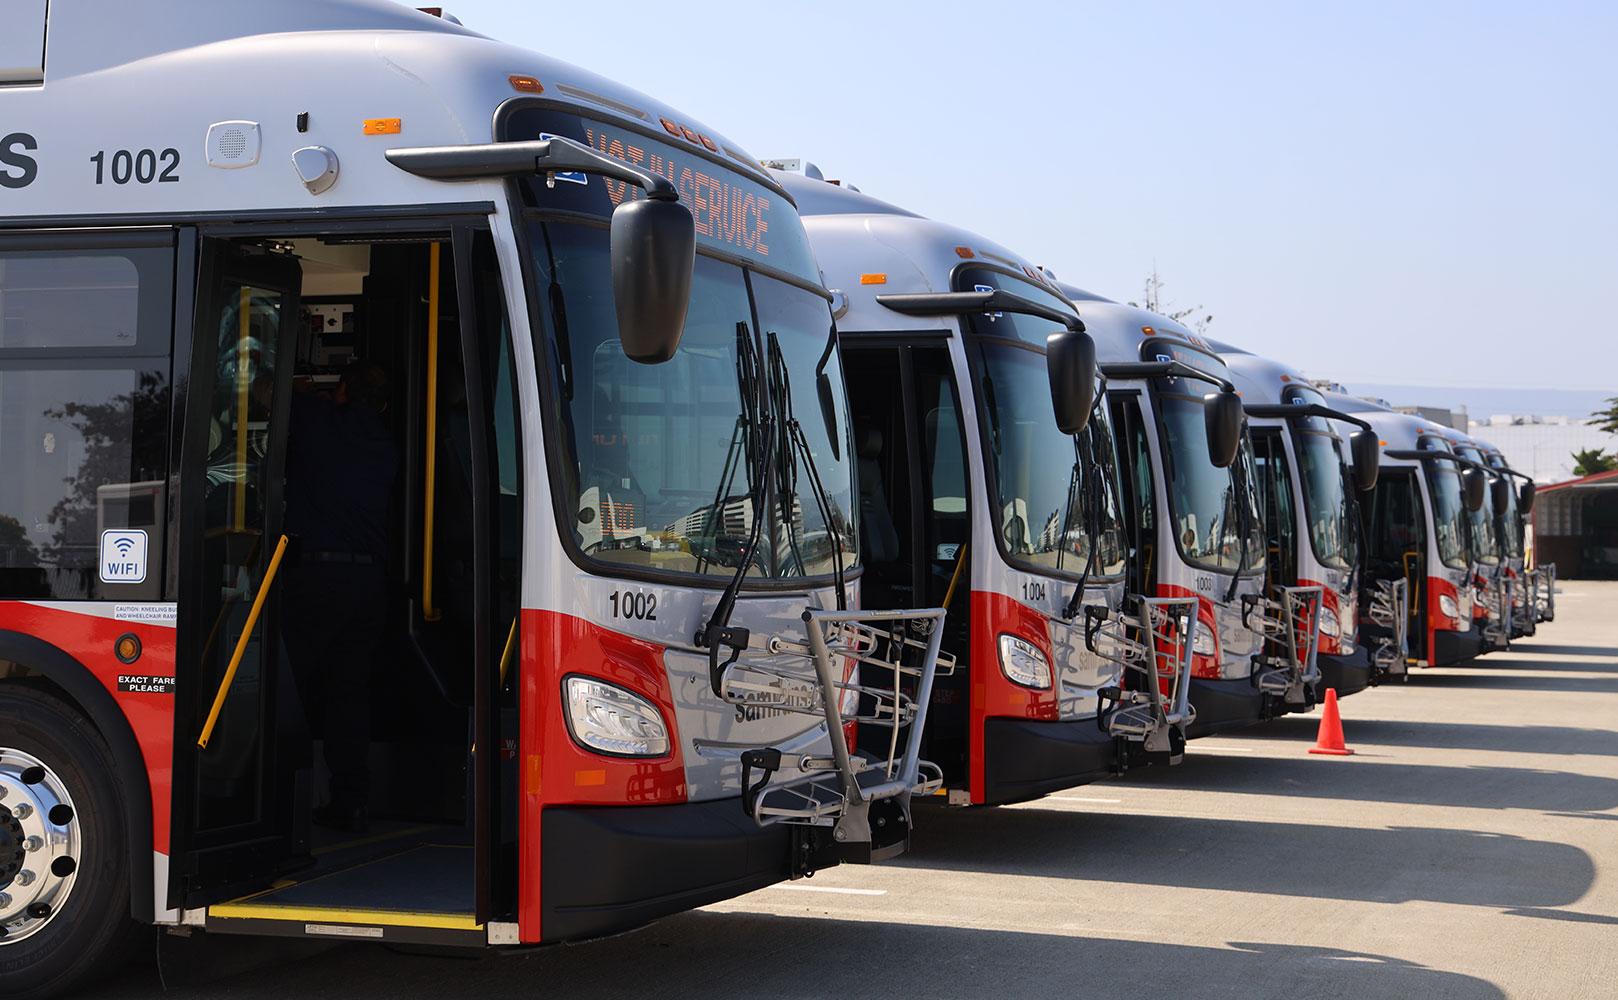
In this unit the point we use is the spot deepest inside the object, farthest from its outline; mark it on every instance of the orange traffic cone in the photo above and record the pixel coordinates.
(1330, 739)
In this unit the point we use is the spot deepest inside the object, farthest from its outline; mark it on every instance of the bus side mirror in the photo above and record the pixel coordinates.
(1473, 485)
(1070, 363)
(1366, 452)
(1222, 411)
(653, 251)
(1500, 493)
(1525, 498)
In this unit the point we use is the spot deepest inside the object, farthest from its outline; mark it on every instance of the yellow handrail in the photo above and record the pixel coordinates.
(428, 611)
(244, 383)
(505, 654)
(955, 577)
(241, 643)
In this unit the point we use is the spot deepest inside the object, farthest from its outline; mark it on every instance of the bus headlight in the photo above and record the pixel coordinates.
(608, 719)
(1023, 663)
(1448, 607)
(1202, 643)
(1329, 624)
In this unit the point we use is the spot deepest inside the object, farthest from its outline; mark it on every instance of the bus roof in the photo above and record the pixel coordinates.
(1260, 379)
(1119, 329)
(369, 74)
(866, 247)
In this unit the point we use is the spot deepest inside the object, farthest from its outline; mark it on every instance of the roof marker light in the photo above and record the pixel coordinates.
(965, 253)
(1148, 331)
(382, 126)
(670, 127)
(525, 84)
(873, 279)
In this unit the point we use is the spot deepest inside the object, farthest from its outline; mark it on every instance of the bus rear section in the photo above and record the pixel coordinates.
(1415, 532)
(1189, 477)
(1311, 499)
(974, 496)
(391, 555)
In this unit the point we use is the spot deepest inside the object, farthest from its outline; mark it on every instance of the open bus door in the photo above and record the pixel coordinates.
(240, 801)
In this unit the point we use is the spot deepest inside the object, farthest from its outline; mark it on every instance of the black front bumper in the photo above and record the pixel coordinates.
(1452, 648)
(1224, 704)
(1026, 758)
(1346, 674)
(608, 868)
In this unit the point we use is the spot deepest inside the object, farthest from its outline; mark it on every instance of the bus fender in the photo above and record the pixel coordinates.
(81, 685)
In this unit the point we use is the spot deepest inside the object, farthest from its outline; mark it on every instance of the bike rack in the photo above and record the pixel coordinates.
(1154, 646)
(1545, 592)
(1389, 608)
(1290, 626)
(821, 676)
(1495, 596)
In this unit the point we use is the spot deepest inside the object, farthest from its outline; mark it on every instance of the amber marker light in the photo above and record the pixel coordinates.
(382, 126)
(127, 648)
(525, 84)
(965, 253)
(873, 279)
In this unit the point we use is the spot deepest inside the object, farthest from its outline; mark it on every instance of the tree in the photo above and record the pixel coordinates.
(1607, 419)
(1152, 299)
(1590, 461)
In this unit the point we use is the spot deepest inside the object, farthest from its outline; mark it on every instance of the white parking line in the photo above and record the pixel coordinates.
(1081, 798)
(830, 888)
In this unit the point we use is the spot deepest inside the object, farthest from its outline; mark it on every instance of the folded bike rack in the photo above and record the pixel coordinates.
(1154, 649)
(821, 676)
(1389, 608)
(1289, 623)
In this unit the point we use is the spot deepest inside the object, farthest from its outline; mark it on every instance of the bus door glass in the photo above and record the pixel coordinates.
(1135, 459)
(234, 812)
(1274, 477)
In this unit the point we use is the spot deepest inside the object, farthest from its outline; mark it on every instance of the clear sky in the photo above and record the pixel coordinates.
(1390, 192)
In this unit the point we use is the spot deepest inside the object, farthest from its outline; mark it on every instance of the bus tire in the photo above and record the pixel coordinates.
(68, 921)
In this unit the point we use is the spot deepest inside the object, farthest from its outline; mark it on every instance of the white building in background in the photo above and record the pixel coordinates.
(1543, 447)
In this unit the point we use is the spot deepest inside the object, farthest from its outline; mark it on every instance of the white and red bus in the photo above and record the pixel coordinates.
(1416, 528)
(1311, 505)
(988, 485)
(615, 675)
(1197, 531)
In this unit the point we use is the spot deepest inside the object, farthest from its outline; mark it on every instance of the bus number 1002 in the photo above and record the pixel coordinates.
(143, 166)
(637, 604)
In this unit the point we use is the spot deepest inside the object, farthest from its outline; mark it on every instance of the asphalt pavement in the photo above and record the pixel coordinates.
(1468, 850)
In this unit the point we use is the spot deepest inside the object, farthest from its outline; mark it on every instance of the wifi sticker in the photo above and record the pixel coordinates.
(123, 555)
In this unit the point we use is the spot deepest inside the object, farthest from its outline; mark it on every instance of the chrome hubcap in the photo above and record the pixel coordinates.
(40, 844)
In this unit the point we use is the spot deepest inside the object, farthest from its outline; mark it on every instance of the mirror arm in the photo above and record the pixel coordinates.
(966, 303)
(515, 159)
(1290, 411)
(1159, 369)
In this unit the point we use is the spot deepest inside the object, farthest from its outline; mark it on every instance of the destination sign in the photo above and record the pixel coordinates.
(733, 214)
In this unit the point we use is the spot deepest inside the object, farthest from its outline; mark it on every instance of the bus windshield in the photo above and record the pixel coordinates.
(1444, 482)
(655, 463)
(1037, 473)
(1325, 500)
(1203, 502)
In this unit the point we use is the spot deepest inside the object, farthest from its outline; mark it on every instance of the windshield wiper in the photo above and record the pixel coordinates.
(795, 447)
(759, 426)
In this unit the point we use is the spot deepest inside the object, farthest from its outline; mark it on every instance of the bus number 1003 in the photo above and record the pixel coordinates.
(636, 604)
(143, 166)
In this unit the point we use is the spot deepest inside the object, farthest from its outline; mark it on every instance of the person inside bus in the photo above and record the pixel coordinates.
(341, 469)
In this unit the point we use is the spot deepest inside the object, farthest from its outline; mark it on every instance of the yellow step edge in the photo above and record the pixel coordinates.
(334, 915)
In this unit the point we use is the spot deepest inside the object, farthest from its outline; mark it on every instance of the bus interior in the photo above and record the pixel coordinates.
(279, 321)
(915, 517)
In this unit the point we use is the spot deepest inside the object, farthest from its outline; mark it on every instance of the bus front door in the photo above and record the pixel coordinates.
(241, 758)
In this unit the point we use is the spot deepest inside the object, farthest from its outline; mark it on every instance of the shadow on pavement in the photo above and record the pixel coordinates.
(1481, 676)
(1529, 646)
(1361, 779)
(1301, 729)
(762, 955)
(1379, 865)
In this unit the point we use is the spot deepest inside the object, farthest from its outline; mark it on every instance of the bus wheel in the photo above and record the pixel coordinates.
(64, 866)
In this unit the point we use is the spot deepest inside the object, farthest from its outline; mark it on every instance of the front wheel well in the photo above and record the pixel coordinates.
(30, 661)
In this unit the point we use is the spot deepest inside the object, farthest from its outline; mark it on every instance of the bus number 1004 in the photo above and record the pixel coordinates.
(636, 604)
(143, 166)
